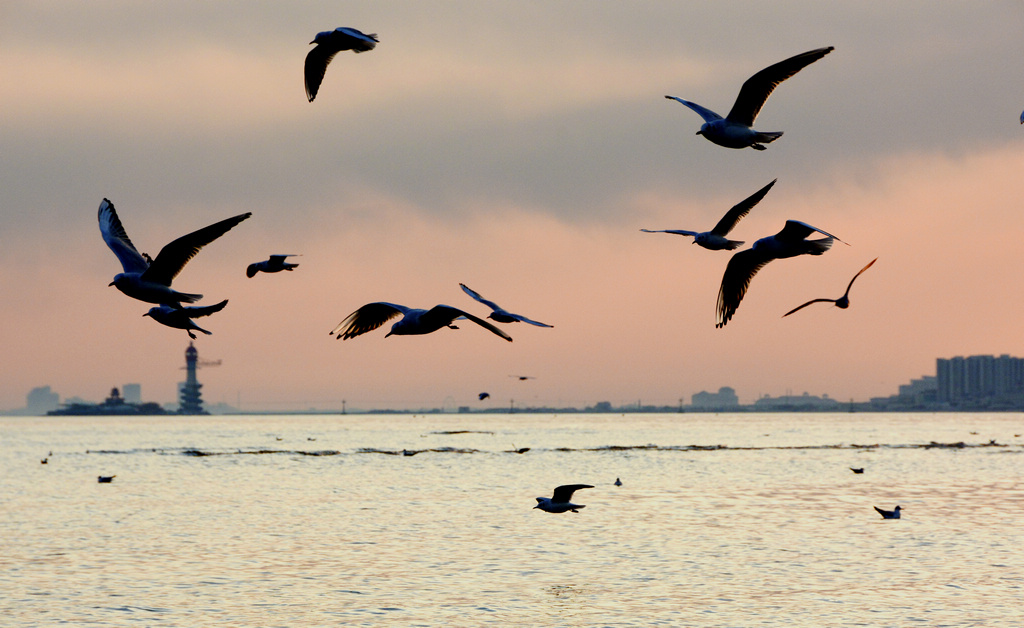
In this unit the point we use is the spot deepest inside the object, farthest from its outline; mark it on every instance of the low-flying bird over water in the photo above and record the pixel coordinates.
(735, 130)
(889, 514)
(328, 44)
(842, 302)
(716, 239)
(275, 264)
(181, 317)
(149, 279)
(413, 321)
(559, 502)
(742, 267)
(498, 313)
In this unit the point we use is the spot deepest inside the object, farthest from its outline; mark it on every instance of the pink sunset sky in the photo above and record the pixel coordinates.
(518, 148)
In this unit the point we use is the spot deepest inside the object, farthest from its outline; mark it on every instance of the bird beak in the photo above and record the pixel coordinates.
(699, 133)
(387, 334)
(110, 284)
(146, 314)
(536, 507)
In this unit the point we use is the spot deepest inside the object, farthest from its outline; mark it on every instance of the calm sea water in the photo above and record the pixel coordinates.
(722, 520)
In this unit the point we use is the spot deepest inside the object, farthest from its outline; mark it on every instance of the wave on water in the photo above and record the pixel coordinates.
(199, 453)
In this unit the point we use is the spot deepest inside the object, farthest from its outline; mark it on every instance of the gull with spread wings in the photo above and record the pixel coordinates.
(413, 322)
(559, 502)
(275, 264)
(328, 44)
(148, 279)
(181, 317)
(842, 302)
(499, 313)
(790, 242)
(716, 240)
(736, 129)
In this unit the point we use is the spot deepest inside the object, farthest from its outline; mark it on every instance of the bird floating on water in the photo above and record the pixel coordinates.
(716, 240)
(889, 514)
(328, 44)
(413, 321)
(181, 317)
(500, 314)
(735, 130)
(790, 242)
(275, 264)
(105, 479)
(148, 279)
(842, 302)
(559, 502)
(857, 469)
(618, 482)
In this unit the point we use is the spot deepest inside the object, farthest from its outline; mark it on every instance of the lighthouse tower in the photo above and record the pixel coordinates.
(191, 399)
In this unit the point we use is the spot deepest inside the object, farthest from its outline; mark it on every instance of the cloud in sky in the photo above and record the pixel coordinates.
(517, 148)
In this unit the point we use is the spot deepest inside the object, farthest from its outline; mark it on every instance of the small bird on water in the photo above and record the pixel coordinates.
(857, 469)
(105, 479)
(559, 502)
(889, 514)
(618, 482)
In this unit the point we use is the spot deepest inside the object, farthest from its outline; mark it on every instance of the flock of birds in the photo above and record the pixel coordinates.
(149, 279)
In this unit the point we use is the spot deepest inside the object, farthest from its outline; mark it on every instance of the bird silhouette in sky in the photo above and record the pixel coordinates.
(148, 279)
(181, 317)
(716, 239)
(736, 129)
(275, 264)
(842, 302)
(413, 322)
(790, 242)
(328, 44)
(499, 313)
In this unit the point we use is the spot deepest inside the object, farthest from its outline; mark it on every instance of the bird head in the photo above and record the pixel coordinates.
(120, 280)
(251, 271)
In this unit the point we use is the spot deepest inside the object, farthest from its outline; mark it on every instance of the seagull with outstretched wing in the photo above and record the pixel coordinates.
(736, 129)
(499, 313)
(842, 302)
(328, 44)
(716, 240)
(149, 279)
(790, 242)
(413, 322)
(181, 317)
(560, 501)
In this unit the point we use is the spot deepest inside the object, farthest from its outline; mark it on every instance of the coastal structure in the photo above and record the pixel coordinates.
(191, 397)
(114, 405)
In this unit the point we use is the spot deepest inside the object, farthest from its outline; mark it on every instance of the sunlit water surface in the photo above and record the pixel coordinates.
(725, 520)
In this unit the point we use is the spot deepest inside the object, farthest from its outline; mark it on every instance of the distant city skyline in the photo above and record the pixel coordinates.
(969, 382)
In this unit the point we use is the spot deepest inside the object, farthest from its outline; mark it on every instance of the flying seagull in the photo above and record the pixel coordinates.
(499, 314)
(715, 239)
(148, 279)
(559, 502)
(735, 130)
(842, 302)
(483, 395)
(181, 317)
(742, 267)
(889, 514)
(275, 264)
(413, 321)
(328, 44)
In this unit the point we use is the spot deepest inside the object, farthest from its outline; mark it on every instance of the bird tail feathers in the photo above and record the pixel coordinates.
(768, 137)
(733, 244)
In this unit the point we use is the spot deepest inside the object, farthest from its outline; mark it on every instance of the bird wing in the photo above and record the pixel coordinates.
(117, 239)
(316, 66)
(367, 318)
(445, 314)
(174, 256)
(741, 209)
(871, 263)
(738, 273)
(564, 493)
(796, 230)
(196, 312)
(520, 317)
(704, 112)
(349, 38)
(476, 295)
(796, 309)
(279, 259)
(675, 231)
(758, 88)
